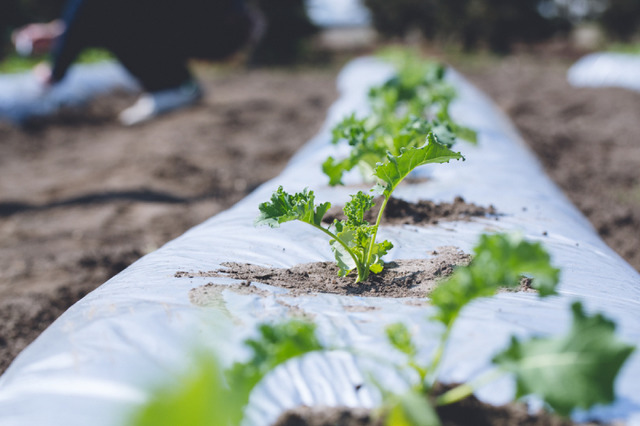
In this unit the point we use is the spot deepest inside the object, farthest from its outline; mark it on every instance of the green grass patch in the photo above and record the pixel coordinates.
(632, 48)
(15, 63)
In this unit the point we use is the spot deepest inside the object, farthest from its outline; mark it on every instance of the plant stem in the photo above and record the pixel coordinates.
(353, 256)
(367, 262)
(461, 392)
(433, 368)
(363, 273)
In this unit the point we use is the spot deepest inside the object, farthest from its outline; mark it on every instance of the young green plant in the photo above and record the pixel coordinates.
(370, 143)
(568, 372)
(209, 395)
(405, 109)
(353, 241)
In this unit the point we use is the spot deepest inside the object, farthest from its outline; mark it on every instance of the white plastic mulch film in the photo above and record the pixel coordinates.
(338, 13)
(99, 360)
(23, 97)
(606, 69)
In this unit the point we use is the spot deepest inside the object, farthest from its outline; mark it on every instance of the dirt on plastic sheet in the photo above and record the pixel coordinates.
(401, 278)
(421, 213)
(468, 412)
(413, 278)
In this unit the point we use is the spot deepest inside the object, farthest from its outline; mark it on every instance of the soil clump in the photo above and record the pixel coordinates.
(401, 278)
(414, 278)
(421, 213)
(468, 412)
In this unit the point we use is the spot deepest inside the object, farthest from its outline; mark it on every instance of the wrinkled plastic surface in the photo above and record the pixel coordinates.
(96, 362)
(606, 69)
(22, 97)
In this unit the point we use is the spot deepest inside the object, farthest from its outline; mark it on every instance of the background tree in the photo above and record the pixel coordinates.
(472, 23)
(621, 19)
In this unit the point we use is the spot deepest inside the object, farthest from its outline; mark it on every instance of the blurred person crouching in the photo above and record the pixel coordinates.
(153, 39)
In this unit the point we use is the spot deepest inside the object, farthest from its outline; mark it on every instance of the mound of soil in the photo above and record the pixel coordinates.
(402, 278)
(424, 212)
(468, 412)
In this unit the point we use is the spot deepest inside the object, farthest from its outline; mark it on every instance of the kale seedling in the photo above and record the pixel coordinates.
(370, 143)
(353, 240)
(405, 109)
(208, 395)
(573, 371)
(418, 86)
(576, 370)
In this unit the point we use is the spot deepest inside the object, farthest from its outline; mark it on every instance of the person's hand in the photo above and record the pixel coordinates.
(36, 39)
(43, 75)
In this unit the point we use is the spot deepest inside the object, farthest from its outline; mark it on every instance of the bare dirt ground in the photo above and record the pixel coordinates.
(82, 197)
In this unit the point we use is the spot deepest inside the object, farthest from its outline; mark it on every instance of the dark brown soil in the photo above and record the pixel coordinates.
(327, 416)
(586, 138)
(424, 212)
(402, 278)
(468, 412)
(82, 197)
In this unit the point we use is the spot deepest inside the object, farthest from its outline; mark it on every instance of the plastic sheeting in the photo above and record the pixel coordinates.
(336, 13)
(22, 97)
(606, 69)
(97, 361)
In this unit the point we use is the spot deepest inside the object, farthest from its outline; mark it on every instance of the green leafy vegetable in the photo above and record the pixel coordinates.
(400, 338)
(351, 129)
(198, 398)
(206, 395)
(359, 236)
(285, 208)
(405, 109)
(500, 261)
(368, 148)
(275, 345)
(352, 240)
(393, 171)
(411, 409)
(574, 371)
(417, 85)
(465, 133)
(577, 370)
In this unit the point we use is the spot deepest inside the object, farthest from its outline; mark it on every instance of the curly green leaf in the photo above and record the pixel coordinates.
(500, 261)
(285, 207)
(574, 371)
(396, 168)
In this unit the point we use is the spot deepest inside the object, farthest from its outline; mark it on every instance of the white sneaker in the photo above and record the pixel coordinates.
(150, 105)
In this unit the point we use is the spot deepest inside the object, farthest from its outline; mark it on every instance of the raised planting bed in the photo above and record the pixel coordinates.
(99, 361)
